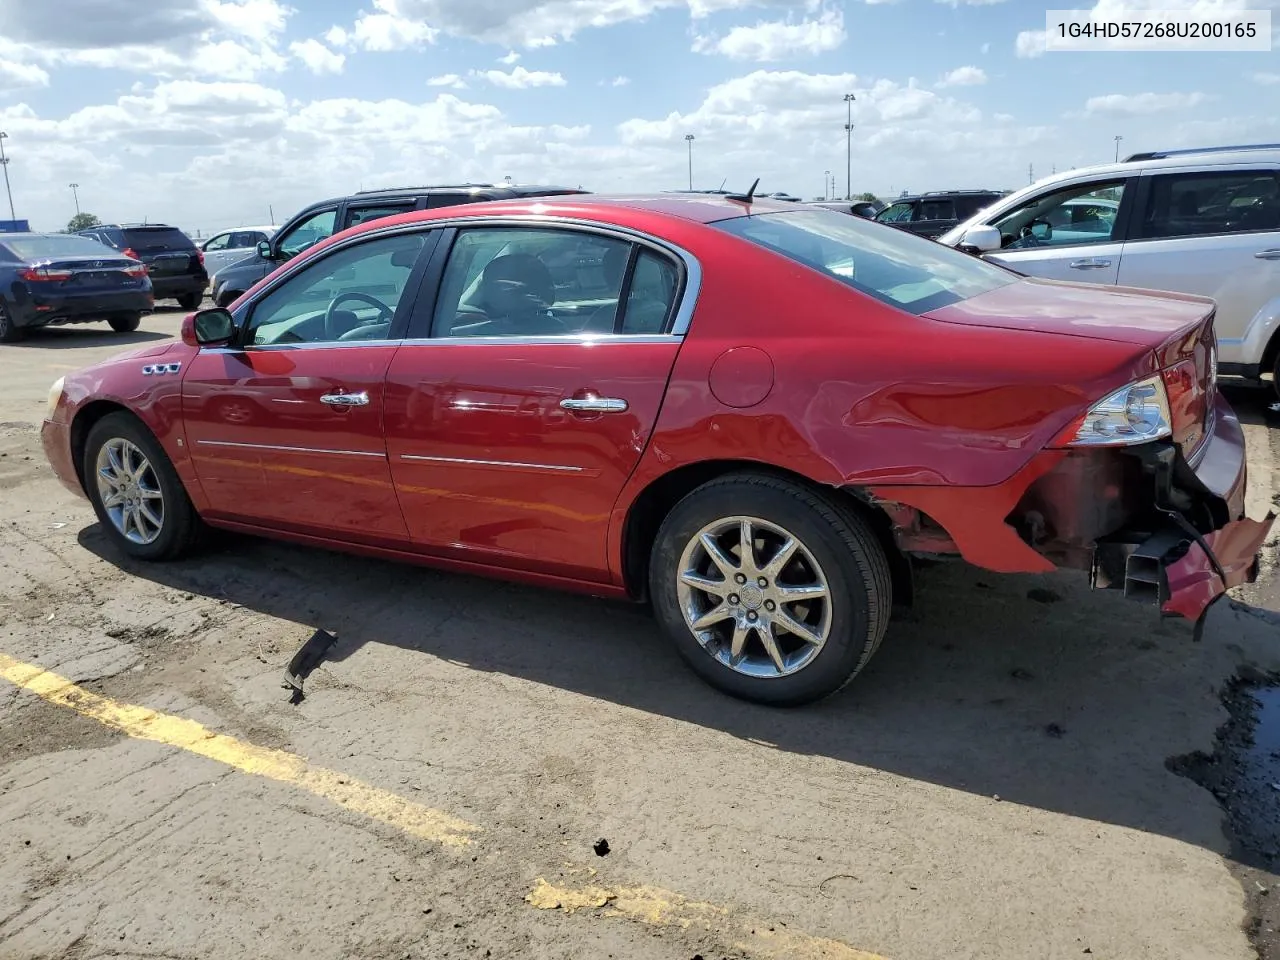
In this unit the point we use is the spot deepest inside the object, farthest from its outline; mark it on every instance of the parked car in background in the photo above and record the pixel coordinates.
(425, 387)
(934, 213)
(1201, 221)
(231, 246)
(321, 220)
(867, 209)
(174, 263)
(49, 279)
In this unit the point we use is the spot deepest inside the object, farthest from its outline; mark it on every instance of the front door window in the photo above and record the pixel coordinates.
(311, 231)
(351, 294)
(1081, 214)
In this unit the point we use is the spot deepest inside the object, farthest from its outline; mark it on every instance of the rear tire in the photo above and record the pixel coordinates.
(735, 633)
(126, 323)
(10, 332)
(190, 301)
(136, 492)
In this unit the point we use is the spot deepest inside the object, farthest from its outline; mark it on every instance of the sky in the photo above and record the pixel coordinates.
(217, 113)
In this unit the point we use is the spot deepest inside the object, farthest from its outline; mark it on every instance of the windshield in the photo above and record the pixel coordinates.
(47, 248)
(903, 270)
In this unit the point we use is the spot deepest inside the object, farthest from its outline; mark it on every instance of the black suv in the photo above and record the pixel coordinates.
(174, 264)
(933, 214)
(321, 220)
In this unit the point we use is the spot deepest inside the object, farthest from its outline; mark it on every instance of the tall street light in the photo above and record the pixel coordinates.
(849, 99)
(75, 187)
(689, 138)
(4, 162)
(826, 184)
(1118, 139)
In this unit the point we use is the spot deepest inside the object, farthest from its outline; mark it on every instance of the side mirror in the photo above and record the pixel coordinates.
(208, 328)
(983, 239)
(264, 250)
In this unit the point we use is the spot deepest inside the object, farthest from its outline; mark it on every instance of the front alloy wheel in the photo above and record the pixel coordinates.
(135, 490)
(130, 491)
(754, 597)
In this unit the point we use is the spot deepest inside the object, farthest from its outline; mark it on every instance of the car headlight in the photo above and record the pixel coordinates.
(1137, 413)
(55, 394)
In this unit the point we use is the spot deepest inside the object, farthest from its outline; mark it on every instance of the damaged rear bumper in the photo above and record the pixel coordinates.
(1181, 573)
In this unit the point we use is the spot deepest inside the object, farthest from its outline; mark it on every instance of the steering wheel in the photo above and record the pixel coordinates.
(1028, 233)
(329, 329)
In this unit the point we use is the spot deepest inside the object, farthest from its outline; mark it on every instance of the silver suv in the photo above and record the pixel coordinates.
(1202, 221)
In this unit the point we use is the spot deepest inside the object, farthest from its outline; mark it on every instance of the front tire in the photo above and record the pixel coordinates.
(190, 301)
(788, 620)
(135, 491)
(228, 298)
(125, 324)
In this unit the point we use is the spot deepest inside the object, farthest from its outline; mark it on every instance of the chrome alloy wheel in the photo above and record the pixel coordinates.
(754, 597)
(130, 491)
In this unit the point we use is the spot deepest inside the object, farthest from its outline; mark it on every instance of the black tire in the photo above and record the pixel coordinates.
(229, 297)
(126, 323)
(190, 301)
(10, 332)
(834, 535)
(180, 529)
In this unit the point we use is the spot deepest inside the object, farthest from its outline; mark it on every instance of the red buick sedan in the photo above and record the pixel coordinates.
(750, 414)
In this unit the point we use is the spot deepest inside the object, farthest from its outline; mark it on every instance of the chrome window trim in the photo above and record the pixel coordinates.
(515, 464)
(540, 340)
(692, 268)
(287, 449)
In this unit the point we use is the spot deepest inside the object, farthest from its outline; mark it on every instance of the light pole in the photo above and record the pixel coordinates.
(826, 184)
(849, 98)
(1118, 139)
(688, 139)
(4, 162)
(74, 187)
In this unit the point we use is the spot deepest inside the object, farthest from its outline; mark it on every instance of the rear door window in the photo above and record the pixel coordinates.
(937, 210)
(1211, 204)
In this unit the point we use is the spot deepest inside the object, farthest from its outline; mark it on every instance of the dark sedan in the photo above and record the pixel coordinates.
(48, 279)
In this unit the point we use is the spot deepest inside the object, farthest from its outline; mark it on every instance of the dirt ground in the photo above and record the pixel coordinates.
(995, 785)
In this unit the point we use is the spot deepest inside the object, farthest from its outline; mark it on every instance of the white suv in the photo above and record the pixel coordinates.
(1194, 221)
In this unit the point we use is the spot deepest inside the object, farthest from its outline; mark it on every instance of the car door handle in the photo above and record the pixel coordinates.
(1272, 254)
(360, 399)
(1092, 263)
(594, 404)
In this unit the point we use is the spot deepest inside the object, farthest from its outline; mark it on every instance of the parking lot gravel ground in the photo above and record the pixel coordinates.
(996, 785)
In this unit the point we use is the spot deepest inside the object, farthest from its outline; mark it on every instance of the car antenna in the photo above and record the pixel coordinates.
(722, 183)
(745, 197)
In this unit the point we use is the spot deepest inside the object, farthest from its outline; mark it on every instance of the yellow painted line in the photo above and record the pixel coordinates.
(663, 908)
(143, 723)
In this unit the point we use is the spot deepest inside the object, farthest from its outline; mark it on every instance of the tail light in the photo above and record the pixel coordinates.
(45, 274)
(139, 271)
(131, 253)
(200, 256)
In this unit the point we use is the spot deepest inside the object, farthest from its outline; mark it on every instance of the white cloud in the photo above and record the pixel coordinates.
(337, 37)
(19, 76)
(451, 80)
(970, 3)
(1031, 43)
(778, 39)
(964, 77)
(1266, 79)
(317, 57)
(231, 39)
(509, 59)
(389, 28)
(1141, 104)
(619, 81)
(520, 78)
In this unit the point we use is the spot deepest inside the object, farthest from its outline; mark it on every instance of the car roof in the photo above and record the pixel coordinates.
(947, 193)
(695, 207)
